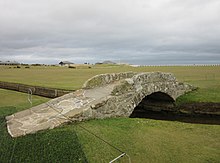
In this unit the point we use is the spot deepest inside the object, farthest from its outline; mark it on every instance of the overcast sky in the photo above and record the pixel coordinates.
(133, 31)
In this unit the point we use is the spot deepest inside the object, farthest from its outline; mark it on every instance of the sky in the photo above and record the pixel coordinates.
(127, 31)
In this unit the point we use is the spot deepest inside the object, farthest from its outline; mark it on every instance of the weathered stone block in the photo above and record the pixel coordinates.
(106, 95)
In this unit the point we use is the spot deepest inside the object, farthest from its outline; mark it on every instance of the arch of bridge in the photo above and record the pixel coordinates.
(130, 92)
(103, 96)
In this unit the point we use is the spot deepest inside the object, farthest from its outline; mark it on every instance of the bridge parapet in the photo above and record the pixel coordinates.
(151, 82)
(104, 79)
(126, 95)
(103, 96)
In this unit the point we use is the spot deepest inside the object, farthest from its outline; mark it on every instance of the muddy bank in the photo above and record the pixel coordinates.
(201, 108)
(204, 113)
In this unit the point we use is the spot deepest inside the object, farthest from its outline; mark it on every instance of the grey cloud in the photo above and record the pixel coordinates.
(130, 30)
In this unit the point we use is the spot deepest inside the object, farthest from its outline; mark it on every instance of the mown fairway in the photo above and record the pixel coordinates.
(147, 140)
(63, 77)
(60, 145)
(12, 101)
(207, 78)
(144, 140)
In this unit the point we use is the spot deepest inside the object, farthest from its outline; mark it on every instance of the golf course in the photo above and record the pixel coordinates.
(142, 139)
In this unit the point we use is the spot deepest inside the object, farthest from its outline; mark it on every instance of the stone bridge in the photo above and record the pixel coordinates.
(103, 96)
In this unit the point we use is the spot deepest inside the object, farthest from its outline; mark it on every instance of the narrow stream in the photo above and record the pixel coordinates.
(160, 106)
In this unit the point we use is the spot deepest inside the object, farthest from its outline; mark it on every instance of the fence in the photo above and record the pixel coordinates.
(36, 90)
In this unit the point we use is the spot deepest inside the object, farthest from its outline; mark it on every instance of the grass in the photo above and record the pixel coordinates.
(54, 77)
(59, 145)
(12, 101)
(207, 78)
(145, 140)
(63, 77)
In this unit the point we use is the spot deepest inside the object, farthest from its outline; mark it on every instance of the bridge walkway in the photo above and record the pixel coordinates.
(50, 115)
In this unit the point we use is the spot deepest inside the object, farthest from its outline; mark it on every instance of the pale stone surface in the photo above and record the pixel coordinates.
(103, 96)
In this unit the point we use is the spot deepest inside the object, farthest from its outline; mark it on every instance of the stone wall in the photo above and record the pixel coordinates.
(105, 96)
(129, 92)
(104, 79)
(36, 90)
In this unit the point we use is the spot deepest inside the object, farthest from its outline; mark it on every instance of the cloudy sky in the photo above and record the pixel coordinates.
(133, 31)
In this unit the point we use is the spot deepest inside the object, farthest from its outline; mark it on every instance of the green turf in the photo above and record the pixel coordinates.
(63, 77)
(55, 77)
(207, 78)
(144, 140)
(148, 140)
(59, 145)
(12, 101)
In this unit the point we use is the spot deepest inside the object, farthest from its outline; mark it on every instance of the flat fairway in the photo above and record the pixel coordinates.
(207, 78)
(63, 77)
(146, 140)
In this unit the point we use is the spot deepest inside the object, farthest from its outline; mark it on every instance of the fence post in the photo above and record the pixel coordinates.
(30, 96)
(55, 92)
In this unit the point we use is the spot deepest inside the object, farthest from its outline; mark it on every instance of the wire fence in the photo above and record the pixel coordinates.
(59, 145)
(49, 146)
(122, 153)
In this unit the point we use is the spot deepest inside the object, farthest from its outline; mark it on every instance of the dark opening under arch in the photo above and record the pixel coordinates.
(157, 103)
(161, 106)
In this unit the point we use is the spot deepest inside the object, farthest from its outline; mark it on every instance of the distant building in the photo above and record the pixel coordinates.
(106, 62)
(9, 63)
(99, 63)
(65, 63)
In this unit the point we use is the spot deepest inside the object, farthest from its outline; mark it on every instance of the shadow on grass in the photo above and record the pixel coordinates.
(58, 145)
